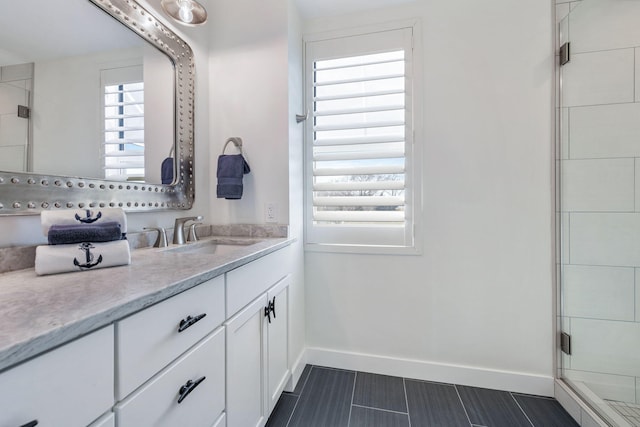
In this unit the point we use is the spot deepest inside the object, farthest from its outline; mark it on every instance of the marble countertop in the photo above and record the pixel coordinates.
(38, 313)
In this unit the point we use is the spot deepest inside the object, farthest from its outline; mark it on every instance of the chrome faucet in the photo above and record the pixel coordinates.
(178, 228)
(161, 240)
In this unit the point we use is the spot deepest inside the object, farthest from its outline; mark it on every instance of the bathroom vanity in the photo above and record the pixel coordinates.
(176, 338)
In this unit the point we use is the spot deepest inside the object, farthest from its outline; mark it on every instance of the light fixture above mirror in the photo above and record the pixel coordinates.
(186, 12)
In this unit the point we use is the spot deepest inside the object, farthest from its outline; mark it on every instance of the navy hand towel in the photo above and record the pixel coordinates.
(99, 232)
(231, 168)
(166, 170)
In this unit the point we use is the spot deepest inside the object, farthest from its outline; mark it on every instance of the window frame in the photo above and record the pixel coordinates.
(119, 76)
(355, 239)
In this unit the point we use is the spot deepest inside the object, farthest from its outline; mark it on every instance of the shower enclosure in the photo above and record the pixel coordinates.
(598, 204)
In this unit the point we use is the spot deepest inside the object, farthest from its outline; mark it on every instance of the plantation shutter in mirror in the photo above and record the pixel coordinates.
(123, 143)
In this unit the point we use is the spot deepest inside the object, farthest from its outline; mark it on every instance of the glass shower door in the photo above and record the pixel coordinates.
(14, 130)
(599, 205)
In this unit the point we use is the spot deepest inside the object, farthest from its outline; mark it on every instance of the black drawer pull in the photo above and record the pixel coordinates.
(33, 423)
(189, 321)
(188, 388)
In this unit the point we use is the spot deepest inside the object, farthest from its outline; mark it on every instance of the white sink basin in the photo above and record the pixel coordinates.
(212, 246)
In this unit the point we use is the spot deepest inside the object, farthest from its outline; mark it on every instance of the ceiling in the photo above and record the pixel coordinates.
(34, 30)
(310, 9)
(27, 31)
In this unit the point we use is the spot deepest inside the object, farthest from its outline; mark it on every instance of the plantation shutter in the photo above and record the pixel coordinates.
(123, 142)
(359, 139)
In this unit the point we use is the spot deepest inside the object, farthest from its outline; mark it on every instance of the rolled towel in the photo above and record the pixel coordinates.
(81, 256)
(99, 232)
(231, 168)
(83, 216)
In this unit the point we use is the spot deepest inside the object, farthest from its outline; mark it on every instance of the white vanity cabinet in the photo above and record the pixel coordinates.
(246, 333)
(257, 340)
(190, 392)
(173, 355)
(149, 340)
(215, 355)
(70, 386)
(278, 367)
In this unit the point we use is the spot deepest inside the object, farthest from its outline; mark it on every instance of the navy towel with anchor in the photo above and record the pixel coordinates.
(82, 239)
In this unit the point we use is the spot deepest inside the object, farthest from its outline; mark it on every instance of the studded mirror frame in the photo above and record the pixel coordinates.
(29, 193)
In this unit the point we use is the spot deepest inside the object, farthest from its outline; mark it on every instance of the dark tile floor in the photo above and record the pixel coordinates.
(326, 397)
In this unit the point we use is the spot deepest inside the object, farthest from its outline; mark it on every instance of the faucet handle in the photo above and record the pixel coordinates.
(192, 237)
(161, 240)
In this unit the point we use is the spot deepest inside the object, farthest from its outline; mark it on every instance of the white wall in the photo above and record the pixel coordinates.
(476, 307)
(67, 135)
(158, 112)
(248, 98)
(296, 144)
(255, 72)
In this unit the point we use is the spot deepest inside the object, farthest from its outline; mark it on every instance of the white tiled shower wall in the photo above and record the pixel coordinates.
(600, 195)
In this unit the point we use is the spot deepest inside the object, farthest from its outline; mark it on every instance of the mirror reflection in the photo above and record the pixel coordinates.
(82, 95)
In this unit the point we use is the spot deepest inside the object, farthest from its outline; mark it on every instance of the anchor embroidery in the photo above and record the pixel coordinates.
(88, 219)
(86, 247)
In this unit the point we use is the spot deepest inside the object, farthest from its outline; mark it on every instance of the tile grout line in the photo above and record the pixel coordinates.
(353, 392)
(406, 398)
(520, 407)
(464, 408)
(379, 409)
(533, 396)
(299, 396)
(293, 410)
(306, 380)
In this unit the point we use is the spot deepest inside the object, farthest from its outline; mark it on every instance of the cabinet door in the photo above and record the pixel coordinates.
(278, 341)
(246, 403)
(70, 386)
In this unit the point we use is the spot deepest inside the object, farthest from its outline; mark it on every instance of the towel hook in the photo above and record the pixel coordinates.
(237, 141)
(302, 117)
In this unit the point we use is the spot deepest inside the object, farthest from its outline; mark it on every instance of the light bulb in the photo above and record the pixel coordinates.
(185, 13)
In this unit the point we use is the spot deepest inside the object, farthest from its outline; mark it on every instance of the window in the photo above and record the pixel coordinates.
(360, 186)
(123, 143)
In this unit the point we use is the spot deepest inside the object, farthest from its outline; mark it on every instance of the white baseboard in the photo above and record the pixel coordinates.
(430, 371)
(296, 371)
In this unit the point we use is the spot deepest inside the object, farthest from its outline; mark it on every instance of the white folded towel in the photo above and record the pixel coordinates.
(81, 256)
(82, 216)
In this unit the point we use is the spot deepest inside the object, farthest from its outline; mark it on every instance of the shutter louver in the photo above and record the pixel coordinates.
(124, 131)
(359, 140)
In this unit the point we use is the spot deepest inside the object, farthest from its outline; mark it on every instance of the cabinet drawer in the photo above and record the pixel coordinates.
(156, 403)
(70, 386)
(245, 283)
(150, 339)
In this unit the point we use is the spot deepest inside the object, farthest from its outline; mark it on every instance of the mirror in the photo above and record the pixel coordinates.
(102, 106)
